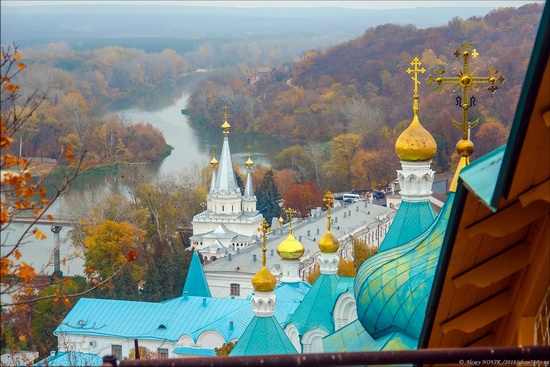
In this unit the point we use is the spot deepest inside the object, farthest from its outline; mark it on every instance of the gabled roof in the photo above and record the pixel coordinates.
(263, 335)
(316, 308)
(157, 321)
(411, 220)
(493, 275)
(76, 359)
(195, 283)
(392, 287)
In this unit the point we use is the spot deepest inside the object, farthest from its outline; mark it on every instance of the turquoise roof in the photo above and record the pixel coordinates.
(75, 359)
(179, 316)
(481, 176)
(292, 292)
(264, 335)
(351, 338)
(317, 306)
(392, 287)
(195, 283)
(354, 338)
(195, 351)
(411, 220)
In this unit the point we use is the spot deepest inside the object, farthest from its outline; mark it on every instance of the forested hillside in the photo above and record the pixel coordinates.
(359, 90)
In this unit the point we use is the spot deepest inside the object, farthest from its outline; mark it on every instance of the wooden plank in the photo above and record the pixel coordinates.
(481, 315)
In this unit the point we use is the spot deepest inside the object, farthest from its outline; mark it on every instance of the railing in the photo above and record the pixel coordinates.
(501, 356)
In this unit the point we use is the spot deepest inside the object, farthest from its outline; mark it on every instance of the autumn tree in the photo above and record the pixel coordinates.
(343, 150)
(361, 252)
(225, 349)
(346, 268)
(303, 198)
(313, 274)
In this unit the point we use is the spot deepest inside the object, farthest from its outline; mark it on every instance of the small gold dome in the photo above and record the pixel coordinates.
(226, 127)
(214, 162)
(465, 148)
(290, 248)
(249, 163)
(264, 281)
(328, 243)
(415, 143)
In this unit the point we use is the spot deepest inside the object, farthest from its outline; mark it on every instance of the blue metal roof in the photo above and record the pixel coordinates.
(292, 292)
(264, 335)
(195, 351)
(76, 359)
(143, 320)
(318, 304)
(392, 287)
(411, 220)
(195, 283)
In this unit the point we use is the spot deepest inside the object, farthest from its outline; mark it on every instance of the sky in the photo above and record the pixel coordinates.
(366, 4)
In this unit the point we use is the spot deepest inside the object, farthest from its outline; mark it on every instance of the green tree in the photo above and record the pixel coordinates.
(268, 198)
(361, 252)
(225, 349)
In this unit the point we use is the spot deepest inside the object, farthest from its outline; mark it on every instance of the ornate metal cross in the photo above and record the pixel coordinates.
(416, 63)
(465, 80)
(328, 199)
(290, 211)
(225, 108)
(264, 230)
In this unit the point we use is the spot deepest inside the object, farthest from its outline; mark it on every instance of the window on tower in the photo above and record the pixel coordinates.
(235, 289)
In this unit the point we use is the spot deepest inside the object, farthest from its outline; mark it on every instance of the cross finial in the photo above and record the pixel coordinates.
(225, 125)
(225, 108)
(416, 63)
(264, 230)
(290, 211)
(328, 199)
(466, 80)
(213, 146)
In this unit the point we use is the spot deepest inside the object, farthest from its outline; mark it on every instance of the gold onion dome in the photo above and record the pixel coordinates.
(415, 143)
(264, 281)
(214, 162)
(290, 248)
(249, 163)
(328, 243)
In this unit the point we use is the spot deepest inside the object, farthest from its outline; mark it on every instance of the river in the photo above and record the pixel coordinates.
(162, 108)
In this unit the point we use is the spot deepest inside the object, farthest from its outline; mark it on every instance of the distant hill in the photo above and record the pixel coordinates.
(32, 25)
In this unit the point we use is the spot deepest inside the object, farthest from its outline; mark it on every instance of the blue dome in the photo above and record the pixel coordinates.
(392, 288)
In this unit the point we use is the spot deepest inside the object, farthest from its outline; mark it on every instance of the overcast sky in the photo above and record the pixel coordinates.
(305, 4)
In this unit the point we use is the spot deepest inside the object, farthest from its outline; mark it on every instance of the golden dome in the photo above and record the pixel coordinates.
(249, 163)
(226, 127)
(264, 281)
(465, 148)
(415, 143)
(214, 162)
(328, 243)
(290, 248)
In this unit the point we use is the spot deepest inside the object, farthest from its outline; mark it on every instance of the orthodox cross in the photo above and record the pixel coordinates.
(290, 211)
(264, 230)
(465, 80)
(225, 108)
(328, 199)
(249, 147)
(415, 63)
(249, 162)
(225, 125)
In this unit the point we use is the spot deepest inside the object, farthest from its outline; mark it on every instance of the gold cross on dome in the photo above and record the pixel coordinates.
(416, 62)
(290, 212)
(328, 199)
(264, 230)
(225, 108)
(466, 80)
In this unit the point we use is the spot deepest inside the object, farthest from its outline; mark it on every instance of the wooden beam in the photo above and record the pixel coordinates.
(540, 192)
(508, 220)
(496, 268)
(481, 315)
(486, 341)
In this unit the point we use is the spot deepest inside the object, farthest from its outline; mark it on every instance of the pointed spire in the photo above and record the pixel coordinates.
(226, 179)
(195, 283)
(248, 189)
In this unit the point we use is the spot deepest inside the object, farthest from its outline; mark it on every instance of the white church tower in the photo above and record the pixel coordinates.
(230, 220)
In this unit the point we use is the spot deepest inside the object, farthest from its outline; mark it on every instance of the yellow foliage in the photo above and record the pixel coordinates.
(346, 268)
(314, 274)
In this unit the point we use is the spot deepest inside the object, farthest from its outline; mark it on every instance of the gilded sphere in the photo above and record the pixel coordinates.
(264, 281)
(492, 80)
(290, 248)
(466, 53)
(465, 81)
(415, 143)
(465, 148)
(328, 243)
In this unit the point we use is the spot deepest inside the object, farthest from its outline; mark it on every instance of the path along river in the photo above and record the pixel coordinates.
(162, 108)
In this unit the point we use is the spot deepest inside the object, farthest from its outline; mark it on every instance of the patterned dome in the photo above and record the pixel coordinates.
(328, 243)
(290, 248)
(392, 287)
(415, 143)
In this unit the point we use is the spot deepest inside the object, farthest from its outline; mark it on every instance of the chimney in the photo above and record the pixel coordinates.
(308, 232)
(272, 252)
(317, 230)
(345, 214)
(357, 208)
(229, 257)
(204, 302)
(238, 250)
(254, 257)
(349, 213)
(336, 219)
(185, 297)
(231, 325)
(300, 238)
